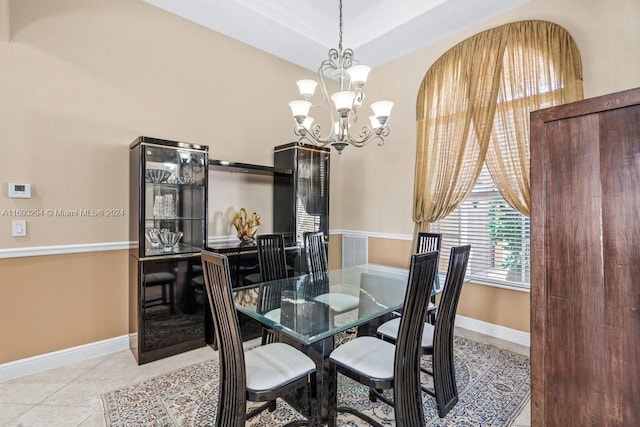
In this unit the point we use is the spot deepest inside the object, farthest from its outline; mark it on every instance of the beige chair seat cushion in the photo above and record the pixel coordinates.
(273, 365)
(159, 278)
(368, 356)
(339, 303)
(390, 329)
(273, 315)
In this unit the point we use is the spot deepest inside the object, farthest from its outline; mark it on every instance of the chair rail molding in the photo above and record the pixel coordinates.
(360, 233)
(63, 249)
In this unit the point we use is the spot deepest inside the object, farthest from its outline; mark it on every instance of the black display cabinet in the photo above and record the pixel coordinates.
(168, 208)
(300, 198)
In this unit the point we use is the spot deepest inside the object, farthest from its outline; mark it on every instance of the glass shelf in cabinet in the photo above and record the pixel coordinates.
(168, 186)
(174, 250)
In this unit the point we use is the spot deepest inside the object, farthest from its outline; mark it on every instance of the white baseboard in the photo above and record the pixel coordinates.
(507, 334)
(31, 365)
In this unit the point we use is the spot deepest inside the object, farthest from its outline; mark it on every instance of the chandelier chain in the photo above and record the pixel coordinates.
(340, 32)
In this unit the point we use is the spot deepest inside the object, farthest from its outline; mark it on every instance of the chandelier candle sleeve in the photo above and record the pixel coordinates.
(343, 105)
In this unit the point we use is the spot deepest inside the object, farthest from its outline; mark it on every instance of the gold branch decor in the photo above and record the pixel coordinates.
(245, 226)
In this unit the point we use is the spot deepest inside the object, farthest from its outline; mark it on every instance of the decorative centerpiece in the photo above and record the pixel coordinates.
(169, 239)
(245, 226)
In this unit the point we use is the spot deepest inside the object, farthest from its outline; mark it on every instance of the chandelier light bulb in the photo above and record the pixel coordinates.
(343, 101)
(358, 74)
(307, 123)
(307, 87)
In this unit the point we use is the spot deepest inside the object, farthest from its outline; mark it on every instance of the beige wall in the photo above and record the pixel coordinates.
(335, 251)
(499, 306)
(381, 186)
(55, 302)
(607, 34)
(80, 79)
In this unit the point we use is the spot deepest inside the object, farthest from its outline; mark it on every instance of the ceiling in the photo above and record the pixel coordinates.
(303, 31)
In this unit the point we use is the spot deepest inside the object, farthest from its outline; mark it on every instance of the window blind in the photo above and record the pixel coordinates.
(498, 234)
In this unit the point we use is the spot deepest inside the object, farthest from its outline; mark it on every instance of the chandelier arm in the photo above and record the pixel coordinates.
(367, 135)
(347, 58)
(326, 65)
(312, 136)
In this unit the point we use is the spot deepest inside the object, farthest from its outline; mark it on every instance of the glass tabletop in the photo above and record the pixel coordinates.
(316, 306)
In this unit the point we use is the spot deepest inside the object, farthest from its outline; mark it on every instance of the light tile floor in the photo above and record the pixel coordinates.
(70, 395)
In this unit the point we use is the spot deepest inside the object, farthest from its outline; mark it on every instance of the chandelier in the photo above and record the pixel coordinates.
(351, 78)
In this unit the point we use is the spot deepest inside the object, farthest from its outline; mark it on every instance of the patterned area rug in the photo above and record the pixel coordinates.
(493, 385)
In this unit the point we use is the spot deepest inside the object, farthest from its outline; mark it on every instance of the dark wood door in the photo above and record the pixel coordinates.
(585, 287)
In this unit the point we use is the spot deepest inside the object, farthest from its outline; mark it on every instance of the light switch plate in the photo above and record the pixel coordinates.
(19, 190)
(18, 228)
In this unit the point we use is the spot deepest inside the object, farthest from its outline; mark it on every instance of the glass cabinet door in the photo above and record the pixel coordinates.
(174, 200)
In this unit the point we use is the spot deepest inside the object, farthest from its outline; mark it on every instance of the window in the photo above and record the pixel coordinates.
(473, 121)
(499, 236)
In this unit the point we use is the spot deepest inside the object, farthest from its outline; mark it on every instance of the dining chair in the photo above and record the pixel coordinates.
(427, 242)
(315, 251)
(166, 282)
(381, 365)
(271, 257)
(273, 266)
(437, 340)
(317, 265)
(259, 375)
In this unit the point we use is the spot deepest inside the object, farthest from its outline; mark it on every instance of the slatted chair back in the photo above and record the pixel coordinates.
(428, 242)
(317, 284)
(444, 377)
(316, 252)
(406, 390)
(232, 401)
(269, 298)
(271, 257)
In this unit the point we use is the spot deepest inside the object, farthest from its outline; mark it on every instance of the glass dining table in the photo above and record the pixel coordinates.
(299, 309)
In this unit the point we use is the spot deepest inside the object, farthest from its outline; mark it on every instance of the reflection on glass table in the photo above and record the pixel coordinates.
(289, 305)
